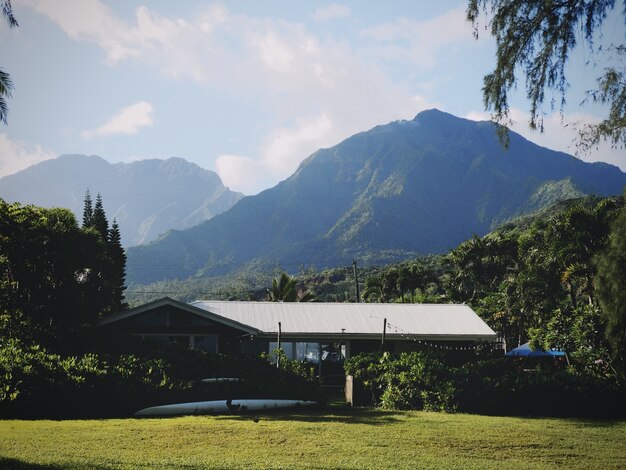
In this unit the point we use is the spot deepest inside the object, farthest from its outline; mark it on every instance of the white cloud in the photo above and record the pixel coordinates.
(420, 43)
(300, 140)
(560, 133)
(91, 21)
(127, 121)
(317, 90)
(278, 156)
(331, 12)
(240, 173)
(16, 156)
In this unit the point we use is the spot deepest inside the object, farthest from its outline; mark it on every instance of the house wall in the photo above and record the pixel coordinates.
(171, 324)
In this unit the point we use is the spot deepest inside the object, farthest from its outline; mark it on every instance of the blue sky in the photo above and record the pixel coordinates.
(247, 88)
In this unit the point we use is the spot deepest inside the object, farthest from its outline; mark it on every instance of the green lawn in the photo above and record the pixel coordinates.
(335, 438)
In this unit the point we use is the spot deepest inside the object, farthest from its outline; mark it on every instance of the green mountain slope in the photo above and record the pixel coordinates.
(395, 191)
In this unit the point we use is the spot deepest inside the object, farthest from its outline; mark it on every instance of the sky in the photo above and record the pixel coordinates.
(249, 89)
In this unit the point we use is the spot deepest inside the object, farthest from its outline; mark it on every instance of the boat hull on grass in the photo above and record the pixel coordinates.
(220, 407)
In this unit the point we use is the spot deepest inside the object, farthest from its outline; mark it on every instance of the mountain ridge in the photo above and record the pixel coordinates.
(147, 197)
(398, 190)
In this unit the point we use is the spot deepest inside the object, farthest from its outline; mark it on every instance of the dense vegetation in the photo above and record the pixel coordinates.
(433, 381)
(536, 280)
(555, 278)
(122, 379)
(56, 280)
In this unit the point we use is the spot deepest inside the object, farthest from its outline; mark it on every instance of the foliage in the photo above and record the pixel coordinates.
(292, 367)
(427, 381)
(99, 219)
(117, 273)
(611, 292)
(532, 279)
(37, 383)
(55, 278)
(45, 262)
(537, 37)
(6, 84)
(411, 281)
(87, 210)
(536, 281)
(284, 290)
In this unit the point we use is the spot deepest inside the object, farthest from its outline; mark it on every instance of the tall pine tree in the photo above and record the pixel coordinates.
(99, 219)
(111, 267)
(87, 210)
(117, 257)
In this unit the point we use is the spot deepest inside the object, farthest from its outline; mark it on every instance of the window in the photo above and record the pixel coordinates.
(299, 351)
(206, 343)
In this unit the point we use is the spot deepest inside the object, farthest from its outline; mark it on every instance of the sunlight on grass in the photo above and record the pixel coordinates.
(339, 438)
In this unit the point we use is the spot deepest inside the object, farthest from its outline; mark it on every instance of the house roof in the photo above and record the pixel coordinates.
(426, 321)
(178, 304)
(321, 320)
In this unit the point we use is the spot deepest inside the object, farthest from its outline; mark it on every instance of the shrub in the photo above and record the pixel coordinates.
(416, 380)
(37, 383)
(422, 381)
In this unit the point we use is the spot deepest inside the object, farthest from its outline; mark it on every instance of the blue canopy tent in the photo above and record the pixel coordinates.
(525, 351)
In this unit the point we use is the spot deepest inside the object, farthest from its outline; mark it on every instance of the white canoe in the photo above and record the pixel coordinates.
(221, 379)
(220, 406)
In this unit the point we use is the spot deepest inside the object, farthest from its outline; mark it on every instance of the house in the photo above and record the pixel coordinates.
(307, 330)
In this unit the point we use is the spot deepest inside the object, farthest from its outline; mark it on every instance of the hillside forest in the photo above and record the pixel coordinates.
(553, 278)
(556, 278)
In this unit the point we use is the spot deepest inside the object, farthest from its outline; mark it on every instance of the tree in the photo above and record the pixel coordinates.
(6, 85)
(99, 219)
(45, 265)
(284, 290)
(109, 272)
(537, 36)
(87, 210)
(611, 291)
(118, 268)
(55, 277)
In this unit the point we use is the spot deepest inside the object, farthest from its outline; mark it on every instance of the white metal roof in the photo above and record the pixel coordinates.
(445, 321)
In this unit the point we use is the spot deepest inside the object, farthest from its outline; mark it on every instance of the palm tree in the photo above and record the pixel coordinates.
(284, 290)
(6, 85)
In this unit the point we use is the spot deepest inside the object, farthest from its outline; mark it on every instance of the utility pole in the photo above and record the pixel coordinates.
(382, 343)
(278, 346)
(356, 281)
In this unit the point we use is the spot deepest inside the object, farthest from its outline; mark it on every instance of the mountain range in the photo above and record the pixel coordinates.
(398, 190)
(146, 197)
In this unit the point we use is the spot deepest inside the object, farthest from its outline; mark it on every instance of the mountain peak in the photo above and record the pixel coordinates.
(397, 190)
(433, 113)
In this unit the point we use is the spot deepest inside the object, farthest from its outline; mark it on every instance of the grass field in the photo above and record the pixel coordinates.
(334, 438)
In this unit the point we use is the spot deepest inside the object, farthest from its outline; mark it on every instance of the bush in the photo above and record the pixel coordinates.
(422, 381)
(416, 381)
(36, 383)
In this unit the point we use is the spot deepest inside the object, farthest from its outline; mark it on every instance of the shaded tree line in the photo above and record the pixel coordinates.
(56, 277)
